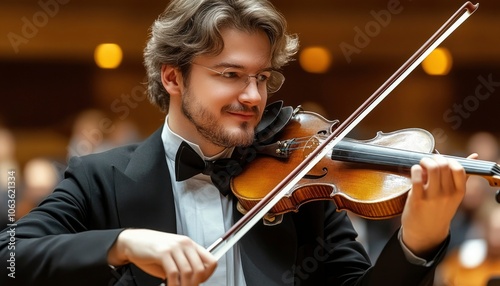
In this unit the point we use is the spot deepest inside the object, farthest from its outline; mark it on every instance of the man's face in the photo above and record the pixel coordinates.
(225, 111)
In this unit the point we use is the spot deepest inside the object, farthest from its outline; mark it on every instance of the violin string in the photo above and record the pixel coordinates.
(470, 164)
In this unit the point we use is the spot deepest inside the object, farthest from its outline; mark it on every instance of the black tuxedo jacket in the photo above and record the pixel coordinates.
(65, 240)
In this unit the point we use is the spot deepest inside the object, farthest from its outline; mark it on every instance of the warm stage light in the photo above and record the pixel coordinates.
(315, 59)
(108, 56)
(438, 62)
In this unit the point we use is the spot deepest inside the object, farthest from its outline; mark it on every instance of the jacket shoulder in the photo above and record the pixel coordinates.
(118, 157)
(130, 159)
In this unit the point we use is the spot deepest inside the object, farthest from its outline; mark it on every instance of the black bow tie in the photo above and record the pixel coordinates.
(188, 164)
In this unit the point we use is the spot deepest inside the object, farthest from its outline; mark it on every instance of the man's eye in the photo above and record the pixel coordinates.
(263, 76)
(230, 74)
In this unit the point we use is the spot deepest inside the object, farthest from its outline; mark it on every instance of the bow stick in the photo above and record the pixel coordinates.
(241, 227)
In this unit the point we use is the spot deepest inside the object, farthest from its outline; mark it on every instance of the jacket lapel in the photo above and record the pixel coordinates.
(144, 194)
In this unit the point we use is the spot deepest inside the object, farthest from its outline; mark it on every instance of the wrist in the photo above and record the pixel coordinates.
(424, 247)
(117, 253)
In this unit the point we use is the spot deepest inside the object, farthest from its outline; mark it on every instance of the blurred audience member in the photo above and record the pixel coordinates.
(8, 159)
(124, 132)
(465, 225)
(94, 132)
(89, 133)
(8, 162)
(476, 261)
(485, 144)
(40, 177)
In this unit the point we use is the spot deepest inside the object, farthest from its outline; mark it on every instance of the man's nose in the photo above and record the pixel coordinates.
(252, 94)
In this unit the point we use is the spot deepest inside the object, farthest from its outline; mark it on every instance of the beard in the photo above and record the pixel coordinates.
(213, 130)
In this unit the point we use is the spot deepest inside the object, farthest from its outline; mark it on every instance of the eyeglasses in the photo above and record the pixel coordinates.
(271, 80)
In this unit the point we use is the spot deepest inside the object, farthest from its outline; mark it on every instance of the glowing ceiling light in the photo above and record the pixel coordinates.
(438, 62)
(108, 55)
(315, 59)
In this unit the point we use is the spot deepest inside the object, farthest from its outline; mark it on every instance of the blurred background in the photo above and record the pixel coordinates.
(49, 74)
(71, 81)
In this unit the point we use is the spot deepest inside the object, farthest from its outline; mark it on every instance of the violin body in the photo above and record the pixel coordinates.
(371, 177)
(364, 189)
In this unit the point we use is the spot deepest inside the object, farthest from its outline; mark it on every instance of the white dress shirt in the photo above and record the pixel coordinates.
(202, 213)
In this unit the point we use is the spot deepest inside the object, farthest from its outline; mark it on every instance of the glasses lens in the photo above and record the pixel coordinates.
(275, 82)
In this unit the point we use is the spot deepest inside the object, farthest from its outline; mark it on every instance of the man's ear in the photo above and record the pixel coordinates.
(171, 79)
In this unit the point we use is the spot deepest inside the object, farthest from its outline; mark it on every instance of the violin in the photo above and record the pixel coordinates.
(296, 188)
(368, 177)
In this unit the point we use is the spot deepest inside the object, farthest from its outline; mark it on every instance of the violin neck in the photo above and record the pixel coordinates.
(402, 160)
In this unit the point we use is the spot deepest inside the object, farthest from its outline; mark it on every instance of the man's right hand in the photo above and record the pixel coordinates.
(173, 257)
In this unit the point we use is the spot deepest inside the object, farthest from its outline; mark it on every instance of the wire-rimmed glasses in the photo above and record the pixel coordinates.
(272, 80)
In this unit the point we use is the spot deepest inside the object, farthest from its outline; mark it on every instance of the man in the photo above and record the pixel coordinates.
(122, 217)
